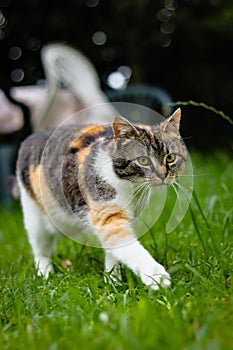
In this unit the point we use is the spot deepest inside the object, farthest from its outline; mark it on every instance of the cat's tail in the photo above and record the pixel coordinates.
(68, 66)
(13, 186)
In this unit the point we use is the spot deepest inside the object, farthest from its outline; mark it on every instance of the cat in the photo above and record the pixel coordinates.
(82, 178)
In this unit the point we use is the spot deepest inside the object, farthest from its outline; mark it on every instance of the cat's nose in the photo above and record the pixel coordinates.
(161, 173)
(161, 176)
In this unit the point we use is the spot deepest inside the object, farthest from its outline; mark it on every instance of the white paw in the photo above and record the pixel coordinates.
(44, 267)
(114, 275)
(156, 278)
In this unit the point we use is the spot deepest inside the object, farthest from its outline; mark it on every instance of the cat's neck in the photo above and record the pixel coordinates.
(124, 188)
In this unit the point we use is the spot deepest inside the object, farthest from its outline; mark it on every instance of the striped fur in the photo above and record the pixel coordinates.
(77, 178)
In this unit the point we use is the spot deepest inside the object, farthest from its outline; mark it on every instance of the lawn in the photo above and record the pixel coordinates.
(74, 309)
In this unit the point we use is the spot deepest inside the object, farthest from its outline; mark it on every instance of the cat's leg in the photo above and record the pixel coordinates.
(43, 246)
(138, 259)
(119, 242)
(112, 267)
(42, 241)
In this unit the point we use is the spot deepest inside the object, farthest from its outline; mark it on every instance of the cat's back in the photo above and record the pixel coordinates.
(33, 146)
(48, 163)
(41, 153)
(31, 149)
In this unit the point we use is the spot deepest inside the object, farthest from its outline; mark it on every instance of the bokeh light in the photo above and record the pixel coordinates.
(165, 40)
(126, 71)
(164, 15)
(99, 38)
(33, 44)
(92, 3)
(167, 27)
(170, 5)
(17, 75)
(3, 20)
(14, 53)
(116, 80)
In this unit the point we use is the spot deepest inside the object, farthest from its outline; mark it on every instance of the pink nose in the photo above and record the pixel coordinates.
(161, 173)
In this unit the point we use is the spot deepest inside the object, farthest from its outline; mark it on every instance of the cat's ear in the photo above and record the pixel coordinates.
(123, 128)
(172, 124)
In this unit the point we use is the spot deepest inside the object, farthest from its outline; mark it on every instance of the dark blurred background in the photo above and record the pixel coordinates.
(183, 46)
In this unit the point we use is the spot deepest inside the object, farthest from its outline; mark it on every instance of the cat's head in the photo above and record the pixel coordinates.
(154, 154)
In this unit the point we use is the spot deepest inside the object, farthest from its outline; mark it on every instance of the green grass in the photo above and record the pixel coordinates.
(76, 310)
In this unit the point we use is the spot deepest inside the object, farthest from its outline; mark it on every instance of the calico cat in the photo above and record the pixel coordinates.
(82, 176)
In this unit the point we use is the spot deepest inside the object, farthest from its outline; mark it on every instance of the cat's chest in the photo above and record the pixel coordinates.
(117, 191)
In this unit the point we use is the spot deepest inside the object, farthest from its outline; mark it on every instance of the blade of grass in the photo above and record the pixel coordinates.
(198, 232)
(206, 222)
(203, 105)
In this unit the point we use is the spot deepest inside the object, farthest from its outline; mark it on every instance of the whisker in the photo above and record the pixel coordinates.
(186, 138)
(137, 191)
(192, 175)
(184, 190)
(177, 194)
(142, 200)
(145, 198)
(138, 204)
(139, 187)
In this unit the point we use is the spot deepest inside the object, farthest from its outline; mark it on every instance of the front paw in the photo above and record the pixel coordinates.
(44, 266)
(156, 278)
(114, 276)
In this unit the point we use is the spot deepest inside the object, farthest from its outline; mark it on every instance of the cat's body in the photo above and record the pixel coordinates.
(78, 178)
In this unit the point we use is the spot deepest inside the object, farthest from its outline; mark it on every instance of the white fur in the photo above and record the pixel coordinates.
(137, 258)
(43, 228)
(129, 251)
(123, 188)
(43, 233)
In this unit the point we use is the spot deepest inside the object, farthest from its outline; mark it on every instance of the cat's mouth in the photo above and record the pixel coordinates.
(158, 182)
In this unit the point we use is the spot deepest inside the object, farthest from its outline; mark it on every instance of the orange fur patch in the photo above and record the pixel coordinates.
(105, 216)
(115, 235)
(39, 185)
(82, 154)
(92, 130)
(114, 218)
(111, 224)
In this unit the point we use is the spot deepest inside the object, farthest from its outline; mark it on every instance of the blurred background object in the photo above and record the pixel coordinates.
(66, 67)
(180, 47)
(71, 94)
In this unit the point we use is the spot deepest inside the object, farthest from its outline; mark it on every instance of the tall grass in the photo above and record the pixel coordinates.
(74, 309)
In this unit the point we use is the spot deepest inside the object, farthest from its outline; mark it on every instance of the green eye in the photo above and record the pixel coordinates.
(170, 157)
(143, 161)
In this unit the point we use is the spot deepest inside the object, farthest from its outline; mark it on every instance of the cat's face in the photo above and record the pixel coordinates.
(153, 154)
